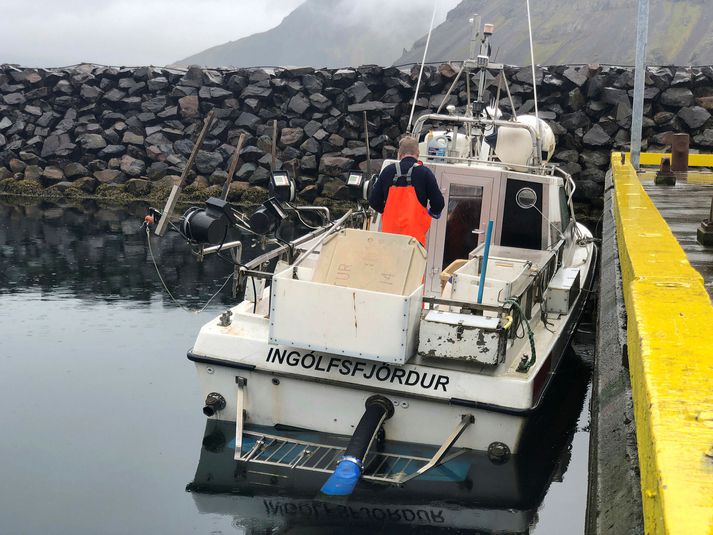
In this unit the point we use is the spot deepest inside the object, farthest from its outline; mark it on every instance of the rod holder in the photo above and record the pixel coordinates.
(704, 233)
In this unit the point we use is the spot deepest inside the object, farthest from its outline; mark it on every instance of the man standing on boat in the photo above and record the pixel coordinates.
(407, 194)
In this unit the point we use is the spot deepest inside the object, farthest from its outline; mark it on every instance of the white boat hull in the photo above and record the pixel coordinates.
(326, 393)
(298, 403)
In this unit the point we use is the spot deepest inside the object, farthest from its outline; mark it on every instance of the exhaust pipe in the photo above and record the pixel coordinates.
(214, 402)
(350, 466)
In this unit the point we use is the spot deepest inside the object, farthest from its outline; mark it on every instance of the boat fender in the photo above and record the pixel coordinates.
(350, 466)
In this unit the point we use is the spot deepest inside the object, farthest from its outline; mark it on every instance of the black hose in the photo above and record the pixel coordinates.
(376, 408)
(349, 467)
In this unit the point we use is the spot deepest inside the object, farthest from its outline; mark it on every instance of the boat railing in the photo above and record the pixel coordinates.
(506, 311)
(482, 122)
(525, 294)
(545, 169)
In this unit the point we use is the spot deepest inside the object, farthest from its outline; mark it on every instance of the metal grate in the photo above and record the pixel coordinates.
(291, 453)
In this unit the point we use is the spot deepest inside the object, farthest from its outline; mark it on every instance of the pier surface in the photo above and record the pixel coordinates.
(669, 344)
(683, 207)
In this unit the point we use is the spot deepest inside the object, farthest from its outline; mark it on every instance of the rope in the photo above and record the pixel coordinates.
(423, 64)
(165, 287)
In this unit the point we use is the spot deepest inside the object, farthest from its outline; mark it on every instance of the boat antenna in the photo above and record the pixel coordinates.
(423, 64)
(532, 61)
(368, 150)
(274, 146)
(471, 58)
(534, 85)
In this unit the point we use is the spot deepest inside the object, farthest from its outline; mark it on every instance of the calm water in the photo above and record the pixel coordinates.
(101, 422)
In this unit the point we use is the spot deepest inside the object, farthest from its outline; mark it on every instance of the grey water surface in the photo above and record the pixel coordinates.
(101, 427)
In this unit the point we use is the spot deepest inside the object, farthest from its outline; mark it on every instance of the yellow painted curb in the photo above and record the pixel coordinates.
(654, 158)
(670, 349)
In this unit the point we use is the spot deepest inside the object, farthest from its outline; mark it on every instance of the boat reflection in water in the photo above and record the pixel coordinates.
(473, 493)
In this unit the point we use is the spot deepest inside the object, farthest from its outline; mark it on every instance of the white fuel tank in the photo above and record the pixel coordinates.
(514, 145)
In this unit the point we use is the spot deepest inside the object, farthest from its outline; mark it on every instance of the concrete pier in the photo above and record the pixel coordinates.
(669, 348)
(614, 504)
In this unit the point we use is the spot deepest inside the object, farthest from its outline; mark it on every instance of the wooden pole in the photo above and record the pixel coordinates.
(233, 166)
(176, 190)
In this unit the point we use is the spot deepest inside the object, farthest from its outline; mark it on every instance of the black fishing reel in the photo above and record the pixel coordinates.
(266, 219)
(209, 225)
(282, 186)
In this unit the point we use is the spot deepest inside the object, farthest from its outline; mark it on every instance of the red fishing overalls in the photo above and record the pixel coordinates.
(403, 212)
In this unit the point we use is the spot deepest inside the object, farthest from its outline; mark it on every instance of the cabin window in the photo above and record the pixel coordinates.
(522, 215)
(465, 203)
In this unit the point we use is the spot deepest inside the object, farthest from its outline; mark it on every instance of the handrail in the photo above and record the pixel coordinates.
(572, 188)
(277, 251)
(539, 170)
(464, 304)
(335, 227)
(537, 155)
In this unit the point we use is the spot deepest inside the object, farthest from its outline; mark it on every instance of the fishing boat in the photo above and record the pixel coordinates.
(350, 332)
(470, 494)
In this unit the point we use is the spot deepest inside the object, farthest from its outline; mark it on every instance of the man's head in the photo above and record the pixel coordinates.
(408, 146)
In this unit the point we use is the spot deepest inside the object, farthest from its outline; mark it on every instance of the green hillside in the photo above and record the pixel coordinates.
(577, 31)
(338, 33)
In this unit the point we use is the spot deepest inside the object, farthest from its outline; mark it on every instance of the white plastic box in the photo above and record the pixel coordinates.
(499, 278)
(563, 290)
(363, 299)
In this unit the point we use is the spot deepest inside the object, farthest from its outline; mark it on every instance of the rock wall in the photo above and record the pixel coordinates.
(91, 130)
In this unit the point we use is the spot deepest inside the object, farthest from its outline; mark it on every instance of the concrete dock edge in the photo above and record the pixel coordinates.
(669, 340)
(614, 497)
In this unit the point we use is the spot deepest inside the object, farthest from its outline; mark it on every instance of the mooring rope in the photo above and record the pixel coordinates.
(165, 287)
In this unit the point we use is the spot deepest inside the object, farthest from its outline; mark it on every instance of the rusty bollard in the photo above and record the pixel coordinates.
(704, 235)
(679, 153)
(665, 176)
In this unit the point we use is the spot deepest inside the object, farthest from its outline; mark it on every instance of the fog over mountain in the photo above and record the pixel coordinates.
(52, 33)
(47, 33)
(577, 31)
(331, 33)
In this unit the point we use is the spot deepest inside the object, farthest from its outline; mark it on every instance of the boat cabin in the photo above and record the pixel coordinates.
(529, 211)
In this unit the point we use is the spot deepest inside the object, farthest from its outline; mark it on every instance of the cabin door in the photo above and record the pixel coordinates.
(461, 227)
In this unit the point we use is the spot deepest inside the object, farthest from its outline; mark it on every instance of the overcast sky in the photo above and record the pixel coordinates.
(53, 33)
(127, 32)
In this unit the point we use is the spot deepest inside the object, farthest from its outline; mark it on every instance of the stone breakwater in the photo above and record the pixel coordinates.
(127, 132)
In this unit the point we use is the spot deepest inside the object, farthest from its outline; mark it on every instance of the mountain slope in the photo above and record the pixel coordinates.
(577, 31)
(328, 33)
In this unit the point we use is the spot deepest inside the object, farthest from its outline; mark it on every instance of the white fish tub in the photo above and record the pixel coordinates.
(363, 299)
